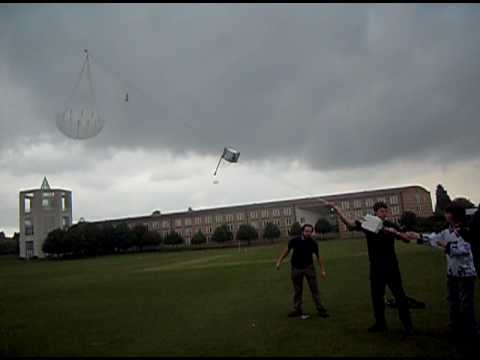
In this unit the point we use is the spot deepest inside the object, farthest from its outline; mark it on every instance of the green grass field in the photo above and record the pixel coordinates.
(213, 303)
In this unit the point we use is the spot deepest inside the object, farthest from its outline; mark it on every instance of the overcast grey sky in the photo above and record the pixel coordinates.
(330, 97)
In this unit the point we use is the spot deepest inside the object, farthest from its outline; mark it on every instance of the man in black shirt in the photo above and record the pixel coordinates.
(384, 269)
(302, 266)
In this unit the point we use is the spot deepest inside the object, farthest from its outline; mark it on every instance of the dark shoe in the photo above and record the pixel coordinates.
(295, 313)
(323, 313)
(377, 328)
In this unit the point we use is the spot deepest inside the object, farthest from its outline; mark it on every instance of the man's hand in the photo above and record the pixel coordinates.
(442, 243)
(401, 235)
(278, 265)
(323, 274)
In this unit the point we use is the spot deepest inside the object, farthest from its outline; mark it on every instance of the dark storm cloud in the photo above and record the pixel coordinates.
(335, 85)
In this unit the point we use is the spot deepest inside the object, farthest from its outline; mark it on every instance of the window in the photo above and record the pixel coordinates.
(240, 216)
(417, 198)
(219, 219)
(276, 212)
(253, 214)
(178, 222)
(382, 199)
(395, 210)
(287, 211)
(230, 227)
(28, 203)
(345, 205)
(65, 221)
(369, 202)
(28, 227)
(393, 199)
(288, 221)
(264, 213)
(208, 219)
(64, 201)
(357, 204)
(188, 222)
(209, 230)
(47, 199)
(276, 222)
(198, 220)
(229, 217)
(265, 222)
(166, 224)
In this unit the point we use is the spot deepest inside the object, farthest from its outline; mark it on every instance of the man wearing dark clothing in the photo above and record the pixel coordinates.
(384, 269)
(304, 247)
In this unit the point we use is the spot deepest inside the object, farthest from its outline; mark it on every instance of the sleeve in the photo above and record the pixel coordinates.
(356, 227)
(315, 248)
(290, 244)
(432, 239)
(458, 248)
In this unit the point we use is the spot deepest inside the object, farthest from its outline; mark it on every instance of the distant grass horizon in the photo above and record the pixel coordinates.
(214, 302)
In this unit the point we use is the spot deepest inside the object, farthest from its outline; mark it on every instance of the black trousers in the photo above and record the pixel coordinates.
(297, 280)
(461, 304)
(380, 277)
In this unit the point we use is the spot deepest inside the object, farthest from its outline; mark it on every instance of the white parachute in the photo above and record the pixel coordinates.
(80, 118)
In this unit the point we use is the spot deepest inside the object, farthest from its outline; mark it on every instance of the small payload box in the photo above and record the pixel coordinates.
(372, 223)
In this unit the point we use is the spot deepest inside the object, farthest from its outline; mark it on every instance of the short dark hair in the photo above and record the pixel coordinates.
(457, 211)
(306, 225)
(379, 205)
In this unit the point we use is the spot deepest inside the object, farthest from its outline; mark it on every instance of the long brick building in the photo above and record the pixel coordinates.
(283, 212)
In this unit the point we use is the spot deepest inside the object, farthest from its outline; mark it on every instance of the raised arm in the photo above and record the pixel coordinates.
(350, 223)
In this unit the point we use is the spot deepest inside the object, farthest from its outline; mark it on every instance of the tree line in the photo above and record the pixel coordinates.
(92, 239)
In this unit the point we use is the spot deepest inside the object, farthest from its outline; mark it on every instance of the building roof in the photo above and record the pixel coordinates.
(334, 197)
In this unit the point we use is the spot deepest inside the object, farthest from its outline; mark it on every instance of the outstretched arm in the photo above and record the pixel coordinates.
(398, 234)
(282, 256)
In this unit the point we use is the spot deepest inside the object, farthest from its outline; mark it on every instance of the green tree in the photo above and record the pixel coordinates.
(173, 238)
(443, 200)
(152, 238)
(222, 234)
(409, 220)
(53, 244)
(323, 226)
(139, 232)
(295, 229)
(247, 232)
(123, 236)
(106, 239)
(271, 232)
(199, 238)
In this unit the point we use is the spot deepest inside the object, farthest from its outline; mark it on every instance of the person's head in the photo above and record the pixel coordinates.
(380, 209)
(307, 230)
(455, 214)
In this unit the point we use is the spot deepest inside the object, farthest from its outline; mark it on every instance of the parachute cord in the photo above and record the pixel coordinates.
(76, 84)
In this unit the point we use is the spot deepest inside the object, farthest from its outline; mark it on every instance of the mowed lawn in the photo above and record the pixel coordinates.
(213, 303)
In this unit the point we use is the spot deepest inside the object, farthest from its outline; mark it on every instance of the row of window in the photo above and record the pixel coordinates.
(256, 224)
(220, 219)
(368, 203)
(47, 201)
(394, 210)
(208, 230)
(29, 225)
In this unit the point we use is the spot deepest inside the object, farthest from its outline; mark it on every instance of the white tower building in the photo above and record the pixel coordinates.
(41, 211)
